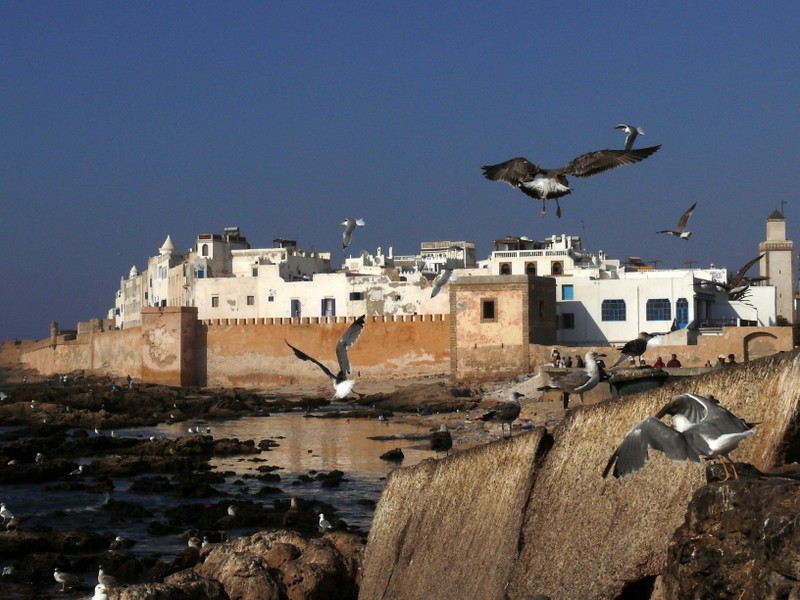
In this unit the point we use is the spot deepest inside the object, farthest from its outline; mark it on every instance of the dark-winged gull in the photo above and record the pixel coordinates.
(635, 347)
(577, 381)
(350, 225)
(341, 384)
(700, 428)
(324, 524)
(441, 440)
(736, 287)
(680, 232)
(631, 133)
(65, 579)
(507, 412)
(552, 184)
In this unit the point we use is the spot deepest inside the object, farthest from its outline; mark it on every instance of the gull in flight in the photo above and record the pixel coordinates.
(341, 384)
(700, 428)
(679, 231)
(350, 225)
(505, 413)
(631, 133)
(552, 184)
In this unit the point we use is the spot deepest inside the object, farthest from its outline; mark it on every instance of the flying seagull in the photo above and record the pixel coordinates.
(65, 579)
(631, 134)
(350, 225)
(735, 286)
(505, 413)
(341, 384)
(441, 440)
(551, 184)
(679, 232)
(577, 381)
(700, 428)
(635, 347)
(440, 281)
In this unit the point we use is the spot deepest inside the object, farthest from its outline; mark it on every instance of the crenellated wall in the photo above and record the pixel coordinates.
(553, 525)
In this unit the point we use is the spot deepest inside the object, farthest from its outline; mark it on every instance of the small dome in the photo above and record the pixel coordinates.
(134, 272)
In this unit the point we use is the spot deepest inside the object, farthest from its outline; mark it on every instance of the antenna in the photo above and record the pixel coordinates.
(783, 203)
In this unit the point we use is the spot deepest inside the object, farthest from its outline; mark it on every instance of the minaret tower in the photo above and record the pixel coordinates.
(778, 264)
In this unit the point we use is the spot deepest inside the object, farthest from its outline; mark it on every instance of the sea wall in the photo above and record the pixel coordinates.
(576, 535)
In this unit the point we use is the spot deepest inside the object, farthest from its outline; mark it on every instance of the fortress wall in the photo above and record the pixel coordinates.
(580, 536)
(254, 353)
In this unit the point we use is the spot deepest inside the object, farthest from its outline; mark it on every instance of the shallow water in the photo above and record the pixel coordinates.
(305, 444)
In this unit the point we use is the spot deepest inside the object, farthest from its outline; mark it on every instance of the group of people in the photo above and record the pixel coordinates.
(566, 362)
(672, 363)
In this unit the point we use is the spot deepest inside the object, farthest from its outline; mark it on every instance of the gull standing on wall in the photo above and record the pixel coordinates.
(577, 381)
(341, 384)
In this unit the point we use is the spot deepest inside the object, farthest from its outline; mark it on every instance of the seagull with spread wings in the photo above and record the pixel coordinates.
(342, 385)
(350, 225)
(631, 133)
(552, 184)
(680, 232)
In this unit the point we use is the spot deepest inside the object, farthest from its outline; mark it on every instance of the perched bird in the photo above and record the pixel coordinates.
(100, 592)
(350, 225)
(65, 579)
(552, 184)
(440, 281)
(39, 458)
(679, 231)
(441, 440)
(231, 511)
(78, 471)
(106, 579)
(5, 513)
(635, 347)
(121, 542)
(505, 413)
(577, 381)
(631, 134)
(700, 428)
(341, 384)
(324, 524)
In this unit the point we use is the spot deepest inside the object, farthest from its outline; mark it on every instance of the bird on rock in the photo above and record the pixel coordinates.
(700, 428)
(635, 348)
(506, 413)
(441, 440)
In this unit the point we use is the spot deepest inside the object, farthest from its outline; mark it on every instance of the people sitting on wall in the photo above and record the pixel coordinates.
(555, 358)
(720, 361)
(579, 361)
(731, 360)
(659, 362)
(674, 363)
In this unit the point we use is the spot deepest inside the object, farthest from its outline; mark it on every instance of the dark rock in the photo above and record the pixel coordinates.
(395, 455)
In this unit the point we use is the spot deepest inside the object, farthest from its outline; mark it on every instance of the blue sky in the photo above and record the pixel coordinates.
(122, 122)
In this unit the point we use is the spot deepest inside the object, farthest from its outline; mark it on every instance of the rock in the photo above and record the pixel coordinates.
(395, 455)
(739, 540)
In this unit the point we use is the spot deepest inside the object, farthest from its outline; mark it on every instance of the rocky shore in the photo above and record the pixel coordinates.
(69, 424)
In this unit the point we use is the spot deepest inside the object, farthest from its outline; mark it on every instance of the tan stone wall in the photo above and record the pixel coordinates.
(253, 353)
(167, 346)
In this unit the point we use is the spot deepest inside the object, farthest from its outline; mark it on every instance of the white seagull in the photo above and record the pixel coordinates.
(631, 134)
(350, 225)
(5, 513)
(100, 592)
(105, 579)
(341, 384)
(577, 381)
(551, 184)
(440, 281)
(679, 231)
(324, 524)
(700, 428)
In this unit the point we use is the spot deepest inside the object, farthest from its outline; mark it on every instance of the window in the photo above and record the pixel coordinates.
(270, 298)
(328, 307)
(557, 268)
(200, 274)
(682, 313)
(567, 292)
(295, 308)
(530, 268)
(612, 310)
(658, 309)
(255, 271)
(568, 321)
(356, 295)
(214, 301)
(505, 268)
(204, 250)
(251, 301)
(488, 310)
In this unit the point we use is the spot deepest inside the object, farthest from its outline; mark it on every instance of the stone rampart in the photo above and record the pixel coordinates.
(576, 535)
